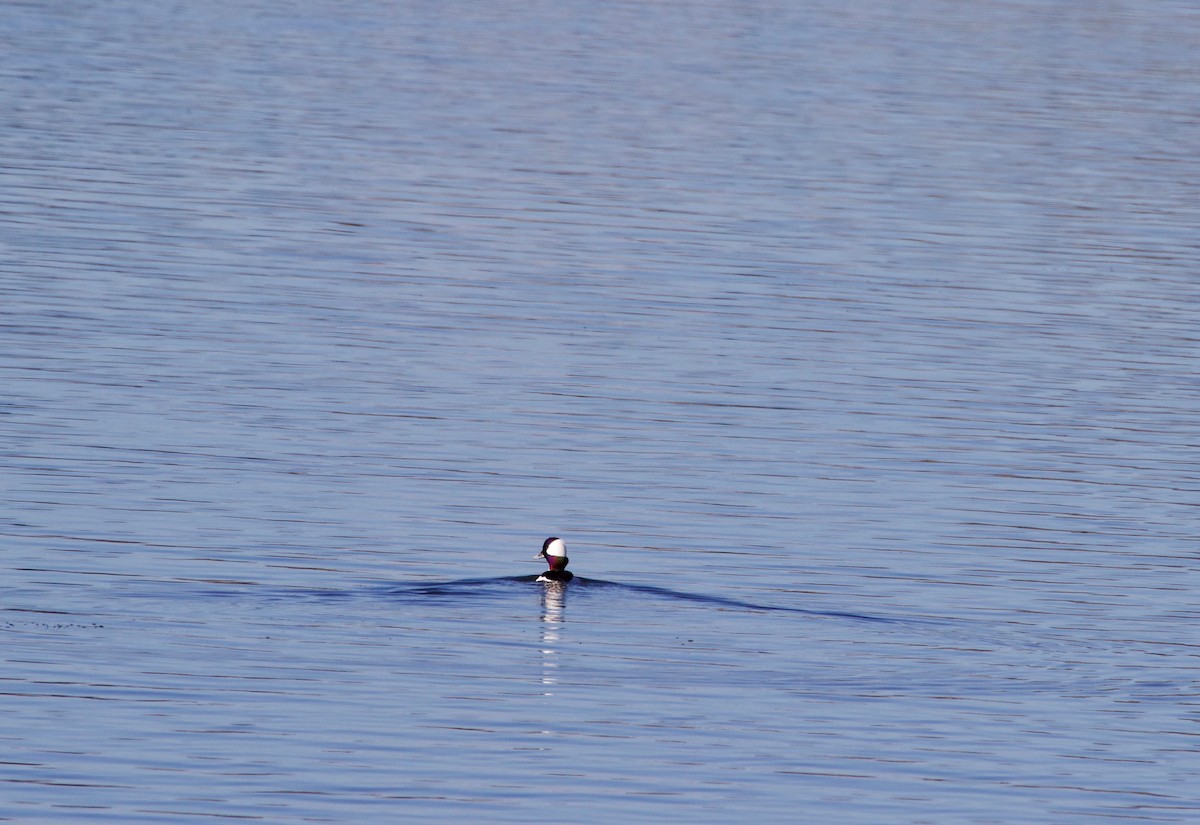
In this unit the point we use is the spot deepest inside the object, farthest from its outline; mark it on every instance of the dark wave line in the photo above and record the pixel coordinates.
(724, 602)
(466, 587)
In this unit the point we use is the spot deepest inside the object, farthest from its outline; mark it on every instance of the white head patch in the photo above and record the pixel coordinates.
(555, 547)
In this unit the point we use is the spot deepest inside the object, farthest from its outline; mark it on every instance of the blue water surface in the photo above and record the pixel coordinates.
(851, 347)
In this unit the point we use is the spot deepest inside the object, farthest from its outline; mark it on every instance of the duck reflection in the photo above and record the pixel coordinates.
(554, 599)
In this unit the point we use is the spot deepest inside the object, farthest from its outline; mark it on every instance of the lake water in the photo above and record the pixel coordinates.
(851, 346)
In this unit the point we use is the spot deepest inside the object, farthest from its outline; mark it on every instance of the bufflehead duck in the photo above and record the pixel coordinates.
(555, 554)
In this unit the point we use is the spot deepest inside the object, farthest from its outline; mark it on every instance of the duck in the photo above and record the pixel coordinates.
(554, 551)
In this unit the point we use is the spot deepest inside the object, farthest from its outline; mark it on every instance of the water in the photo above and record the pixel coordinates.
(851, 348)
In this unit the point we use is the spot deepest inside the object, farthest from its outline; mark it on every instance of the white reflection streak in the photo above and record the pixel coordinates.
(553, 599)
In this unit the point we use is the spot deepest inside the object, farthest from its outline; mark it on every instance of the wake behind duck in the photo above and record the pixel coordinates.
(554, 551)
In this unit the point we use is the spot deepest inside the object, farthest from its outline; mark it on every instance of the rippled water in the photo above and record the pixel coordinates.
(851, 347)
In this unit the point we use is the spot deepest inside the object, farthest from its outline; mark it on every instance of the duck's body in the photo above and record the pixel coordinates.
(556, 576)
(554, 551)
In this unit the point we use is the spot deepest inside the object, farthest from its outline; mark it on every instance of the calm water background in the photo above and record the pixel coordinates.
(881, 309)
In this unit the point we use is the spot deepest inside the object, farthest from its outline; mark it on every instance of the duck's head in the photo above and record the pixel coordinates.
(554, 551)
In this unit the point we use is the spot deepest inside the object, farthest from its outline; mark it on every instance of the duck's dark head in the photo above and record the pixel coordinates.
(554, 551)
